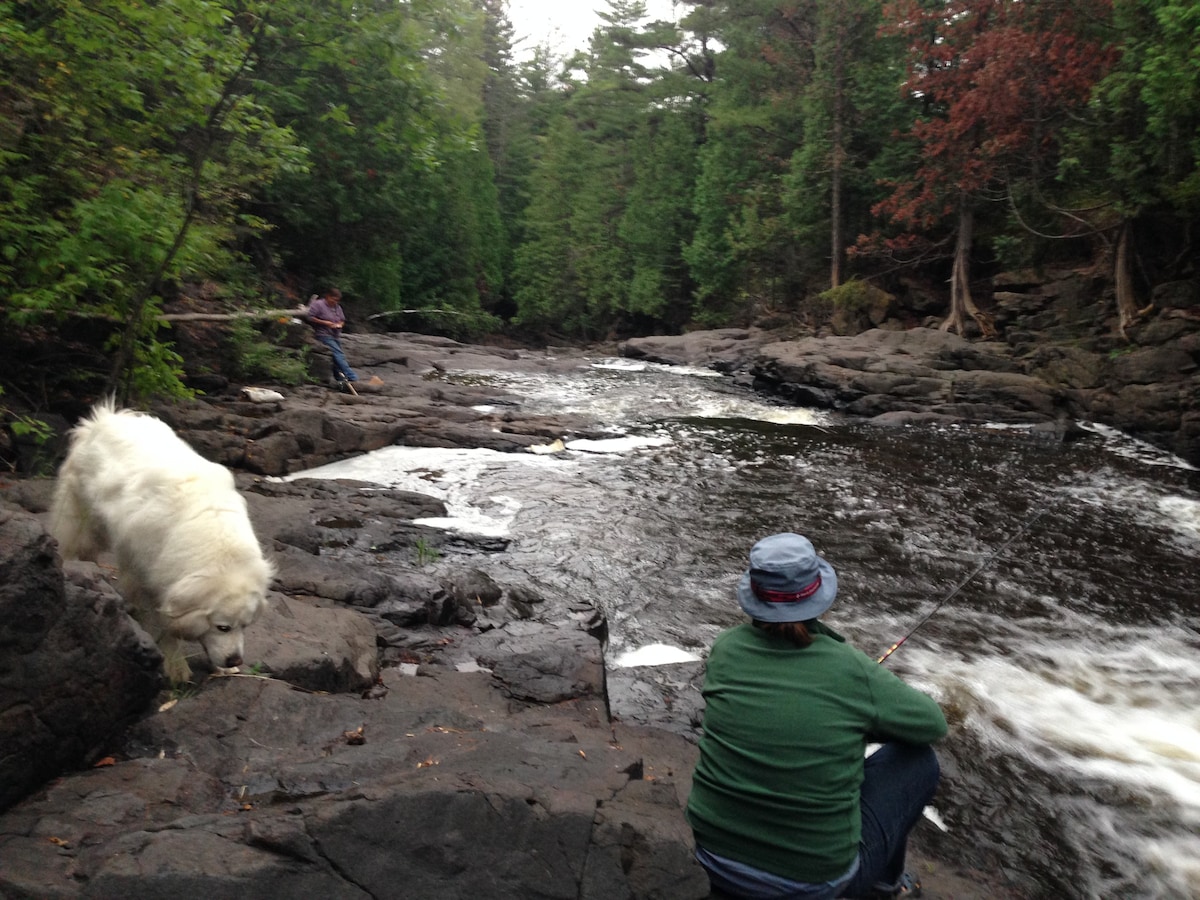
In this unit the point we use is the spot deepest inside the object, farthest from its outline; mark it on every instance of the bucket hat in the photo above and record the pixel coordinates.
(787, 581)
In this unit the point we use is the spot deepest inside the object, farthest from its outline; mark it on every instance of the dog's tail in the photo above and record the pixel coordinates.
(70, 521)
(70, 517)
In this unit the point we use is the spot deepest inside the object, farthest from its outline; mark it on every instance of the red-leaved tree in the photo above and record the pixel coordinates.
(995, 80)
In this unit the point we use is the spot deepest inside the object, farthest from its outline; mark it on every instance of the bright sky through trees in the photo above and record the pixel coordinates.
(566, 24)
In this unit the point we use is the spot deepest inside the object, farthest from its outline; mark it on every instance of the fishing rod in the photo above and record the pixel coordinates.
(987, 561)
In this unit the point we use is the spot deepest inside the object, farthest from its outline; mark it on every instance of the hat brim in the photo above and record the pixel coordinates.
(801, 611)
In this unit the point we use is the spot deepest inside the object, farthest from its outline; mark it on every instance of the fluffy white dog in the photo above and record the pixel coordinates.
(187, 557)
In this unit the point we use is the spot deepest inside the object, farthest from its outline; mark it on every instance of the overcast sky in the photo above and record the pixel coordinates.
(567, 24)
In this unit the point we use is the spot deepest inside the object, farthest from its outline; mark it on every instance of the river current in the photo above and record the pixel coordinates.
(1069, 666)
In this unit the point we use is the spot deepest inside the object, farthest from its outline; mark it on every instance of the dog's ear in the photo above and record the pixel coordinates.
(260, 605)
(186, 595)
(191, 625)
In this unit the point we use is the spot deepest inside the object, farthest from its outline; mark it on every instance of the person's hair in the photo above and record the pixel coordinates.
(796, 632)
(334, 293)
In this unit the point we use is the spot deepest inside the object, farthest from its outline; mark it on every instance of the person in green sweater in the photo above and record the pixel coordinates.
(784, 802)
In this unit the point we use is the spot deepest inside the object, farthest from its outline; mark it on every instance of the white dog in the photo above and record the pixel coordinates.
(187, 557)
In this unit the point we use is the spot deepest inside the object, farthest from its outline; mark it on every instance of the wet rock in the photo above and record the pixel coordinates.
(666, 696)
(1152, 365)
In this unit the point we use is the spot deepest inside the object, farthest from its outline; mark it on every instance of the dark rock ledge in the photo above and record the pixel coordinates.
(424, 732)
(1045, 380)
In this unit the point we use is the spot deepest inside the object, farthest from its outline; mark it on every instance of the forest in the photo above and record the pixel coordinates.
(723, 168)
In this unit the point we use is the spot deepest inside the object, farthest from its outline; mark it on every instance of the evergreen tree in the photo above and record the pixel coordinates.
(744, 254)
(575, 270)
(1138, 161)
(850, 110)
(398, 204)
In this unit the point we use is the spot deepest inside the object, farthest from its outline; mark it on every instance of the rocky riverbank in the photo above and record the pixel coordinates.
(1058, 358)
(425, 731)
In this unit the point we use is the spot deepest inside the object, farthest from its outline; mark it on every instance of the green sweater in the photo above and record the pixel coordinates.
(781, 759)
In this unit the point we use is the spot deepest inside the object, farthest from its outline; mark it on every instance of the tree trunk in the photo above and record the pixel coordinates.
(835, 199)
(835, 194)
(962, 304)
(1127, 308)
(838, 154)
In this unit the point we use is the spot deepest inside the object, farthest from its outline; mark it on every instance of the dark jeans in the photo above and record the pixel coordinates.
(340, 365)
(899, 782)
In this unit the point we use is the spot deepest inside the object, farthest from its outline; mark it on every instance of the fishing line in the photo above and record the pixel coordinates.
(987, 561)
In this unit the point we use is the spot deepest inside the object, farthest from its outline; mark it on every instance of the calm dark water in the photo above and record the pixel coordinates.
(1069, 667)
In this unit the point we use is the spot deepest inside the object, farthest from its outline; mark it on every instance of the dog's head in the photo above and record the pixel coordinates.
(214, 609)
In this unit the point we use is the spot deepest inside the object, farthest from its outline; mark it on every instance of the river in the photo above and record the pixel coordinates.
(1069, 666)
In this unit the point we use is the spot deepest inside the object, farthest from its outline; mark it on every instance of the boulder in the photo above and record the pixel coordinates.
(74, 668)
(319, 648)
(722, 348)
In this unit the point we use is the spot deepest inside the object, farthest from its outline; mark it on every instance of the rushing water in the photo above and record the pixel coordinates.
(1068, 667)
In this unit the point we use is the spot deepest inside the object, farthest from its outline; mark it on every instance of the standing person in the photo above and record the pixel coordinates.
(784, 803)
(327, 318)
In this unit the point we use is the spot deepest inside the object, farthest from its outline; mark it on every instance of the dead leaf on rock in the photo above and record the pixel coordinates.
(427, 762)
(355, 737)
(101, 763)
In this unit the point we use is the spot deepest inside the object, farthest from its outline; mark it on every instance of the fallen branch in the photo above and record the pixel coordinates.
(297, 312)
(300, 312)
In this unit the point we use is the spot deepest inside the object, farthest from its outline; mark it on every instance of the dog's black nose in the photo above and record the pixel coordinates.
(232, 662)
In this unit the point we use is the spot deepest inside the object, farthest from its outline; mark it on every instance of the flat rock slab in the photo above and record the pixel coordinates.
(438, 787)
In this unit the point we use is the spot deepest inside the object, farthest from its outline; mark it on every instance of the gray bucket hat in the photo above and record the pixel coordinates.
(787, 581)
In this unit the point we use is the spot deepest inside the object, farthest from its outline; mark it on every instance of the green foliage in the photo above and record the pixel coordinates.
(726, 168)
(134, 142)
(398, 203)
(155, 370)
(547, 293)
(1148, 107)
(851, 109)
(610, 195)
(853, 295)
(28, 429)
(253, 357)
(664, 176)
(1011, 251)
(426, 554)
(657, 220)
